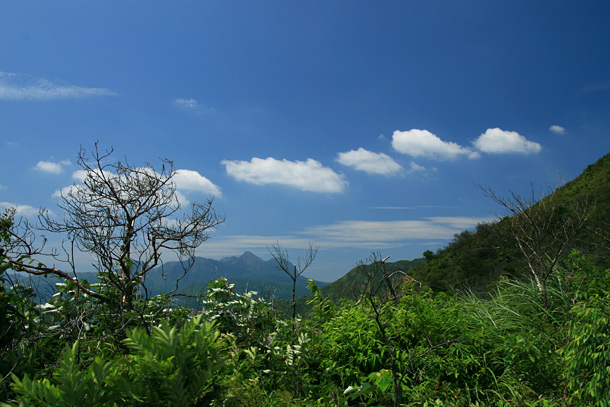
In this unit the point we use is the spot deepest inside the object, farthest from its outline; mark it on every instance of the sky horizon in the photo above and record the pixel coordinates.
(356, 126)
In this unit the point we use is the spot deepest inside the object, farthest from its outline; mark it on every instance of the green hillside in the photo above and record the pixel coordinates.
(350, 286)
(475, 259)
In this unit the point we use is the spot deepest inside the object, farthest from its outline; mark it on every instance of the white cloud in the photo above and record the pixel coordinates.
(379, 234)
(193, 106)
(373, 163)
(15, 86)
(422, 143)
(372, 234)
(185, 180)
(187, 103)
(20, 210)
(52, 167)
(307, 175)
(416, 167)
(193, 181)
(557, 129)
(353, 234)
(460, 222)
(498, 141)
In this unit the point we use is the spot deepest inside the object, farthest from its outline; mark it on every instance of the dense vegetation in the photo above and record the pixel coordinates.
(466, 326)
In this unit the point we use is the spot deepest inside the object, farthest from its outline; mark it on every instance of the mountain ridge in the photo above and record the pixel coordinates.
(247, 272)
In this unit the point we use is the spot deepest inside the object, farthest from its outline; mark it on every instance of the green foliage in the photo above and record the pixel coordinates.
(72, 385)
(587, 355)
(349, 287)
(322, 309)
(246, 317)
(171, 366)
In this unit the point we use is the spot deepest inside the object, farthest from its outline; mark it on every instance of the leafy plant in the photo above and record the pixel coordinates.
(172, 365)
(587, 355)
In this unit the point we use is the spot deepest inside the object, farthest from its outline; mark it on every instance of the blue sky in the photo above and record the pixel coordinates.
(358, 126)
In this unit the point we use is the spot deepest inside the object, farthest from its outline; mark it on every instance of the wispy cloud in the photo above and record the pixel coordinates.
(414, 167)
(422, 143)
(14, 86)
(370, 235)
(193, 106)
(307, 175)
(498, 141)
(392, 208)
(557, 129)
(52, 167)
(368, 161)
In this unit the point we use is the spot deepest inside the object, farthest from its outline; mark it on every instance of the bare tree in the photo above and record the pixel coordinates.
(124, 216)
(293, 271)
(543, 230)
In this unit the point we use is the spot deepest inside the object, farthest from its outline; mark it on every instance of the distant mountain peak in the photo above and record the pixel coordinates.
(250, 258)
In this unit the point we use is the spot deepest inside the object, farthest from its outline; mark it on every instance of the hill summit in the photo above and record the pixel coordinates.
(247, 272)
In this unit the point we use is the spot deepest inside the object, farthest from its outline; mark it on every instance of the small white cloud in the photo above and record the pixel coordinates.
(307, 175)
(557, 129)
(422, 143)
(187, 103)
(193, 106)
(498, 141)
(20, 210)
(373, 163)
(416, 167)
(51, 167)
(193, 181)
(15, 86)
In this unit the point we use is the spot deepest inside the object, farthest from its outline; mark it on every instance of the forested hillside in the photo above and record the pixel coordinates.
(513, 313)
(474, 260)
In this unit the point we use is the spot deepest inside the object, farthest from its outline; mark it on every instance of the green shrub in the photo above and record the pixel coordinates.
(587, 355)
(171, 366)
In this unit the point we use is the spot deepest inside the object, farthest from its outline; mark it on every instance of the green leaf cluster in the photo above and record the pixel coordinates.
(170, 366)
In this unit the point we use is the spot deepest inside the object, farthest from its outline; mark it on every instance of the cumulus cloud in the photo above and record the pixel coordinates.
(498, 141)
(307, 175)
(26, 211)
(52, 167)
(15, 86)
(185, 180)
(373, 163)
(557, 129)
(193, 181)
(422, 143)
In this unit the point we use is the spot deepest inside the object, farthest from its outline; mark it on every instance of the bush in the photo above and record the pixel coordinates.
(174, 366)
